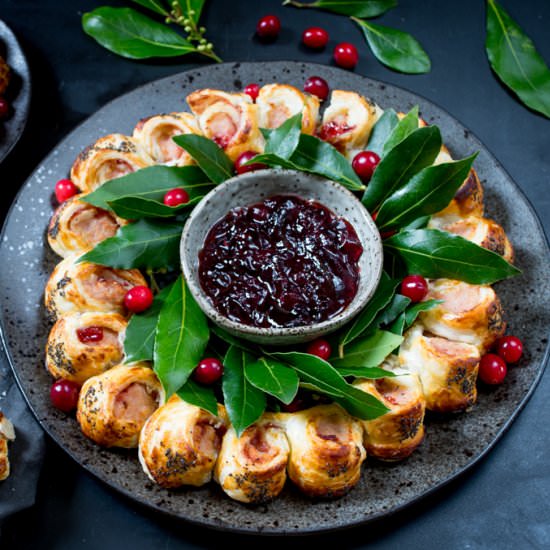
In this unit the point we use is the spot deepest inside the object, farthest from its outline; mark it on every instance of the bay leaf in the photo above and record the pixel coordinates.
(282, 141)
(195, 6)
(372, 373)
(154, 5)
(381, 131)
(359, 8)
(200, 396)
(369, 351)
(136, 208)
(406, 126)
(273, 377)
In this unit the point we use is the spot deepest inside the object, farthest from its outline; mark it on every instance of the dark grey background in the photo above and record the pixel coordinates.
(501, 503)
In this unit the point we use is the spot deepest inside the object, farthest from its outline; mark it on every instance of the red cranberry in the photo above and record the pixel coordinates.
(509, 348)
(268, 27)
(65, 189)
(317, 86)
(252, 90)
(64, 395)
(345, 55)
(138, 299)
(208, 371)
(414, 287)
(297, 404)
(90, 334)
(364, 164)
(240, 168)
(492, 369)
(4, 108)
(175, 197)
(321, 348)
(315, 37)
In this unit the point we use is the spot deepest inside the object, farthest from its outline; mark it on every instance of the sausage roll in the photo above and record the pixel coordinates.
(85, 286)
(228, 119)
(347, 122)
(252, 468)
(447, 369)
(82, 345)
(468, 313)
(155, 135)
(7, 433)
(77, 226)
(278, 102)
(326, 450)
(113, 406)
(179, 444)
(5, 76)
(108, 158)
(468, 200)
(396, 434)
(481, 231)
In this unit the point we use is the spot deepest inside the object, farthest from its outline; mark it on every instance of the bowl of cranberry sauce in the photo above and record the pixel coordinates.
(280, 257)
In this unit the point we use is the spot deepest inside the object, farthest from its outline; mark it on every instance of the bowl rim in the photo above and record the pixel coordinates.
(316, 329)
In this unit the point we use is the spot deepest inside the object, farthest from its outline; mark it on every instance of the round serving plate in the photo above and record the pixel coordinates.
(453, 443)
(18, 92)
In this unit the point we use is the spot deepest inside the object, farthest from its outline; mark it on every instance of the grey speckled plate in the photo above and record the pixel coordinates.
(18, 92)
(452, 444)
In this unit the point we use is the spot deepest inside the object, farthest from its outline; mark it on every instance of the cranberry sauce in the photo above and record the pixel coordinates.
(284, 262)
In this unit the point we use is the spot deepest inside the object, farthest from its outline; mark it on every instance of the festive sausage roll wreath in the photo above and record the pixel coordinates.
(321, 449)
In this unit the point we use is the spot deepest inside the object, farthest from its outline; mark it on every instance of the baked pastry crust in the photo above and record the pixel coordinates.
(7, 433)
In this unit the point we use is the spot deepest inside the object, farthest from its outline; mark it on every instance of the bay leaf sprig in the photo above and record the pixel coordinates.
(199, 395)
(358, 8)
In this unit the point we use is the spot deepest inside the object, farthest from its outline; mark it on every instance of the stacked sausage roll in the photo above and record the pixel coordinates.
(320, 449)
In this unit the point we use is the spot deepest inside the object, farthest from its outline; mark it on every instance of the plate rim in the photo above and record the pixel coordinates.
(270, 532)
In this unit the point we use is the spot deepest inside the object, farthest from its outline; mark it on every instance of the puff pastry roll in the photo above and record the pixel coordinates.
(179, 444)
(481, 231)
(82, 345)
(108, 158)
(7, 433)
(79, 287)
(278, 102)
(469, 313)
(347, 122)
(155, 135)
(113, 406)
(228, 119)
(447, 369)
(252, 468)
(77, 226)
(468, 200)
(326, 450)
(395, 435)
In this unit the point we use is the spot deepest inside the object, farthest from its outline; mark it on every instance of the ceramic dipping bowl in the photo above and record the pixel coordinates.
(257, 186)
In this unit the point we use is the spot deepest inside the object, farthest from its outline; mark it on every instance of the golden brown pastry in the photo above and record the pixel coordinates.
(179, 444)
(278, 102)
(7, 433)
(326, 450)
(5, 75)
(468, 200)
(155, 135)
(77, 226)
(228, 119)
(481, 231)
(447, 369)
(80, 287)
(108, 158)
(113, 406)
(396, 434)
(469, 313)
(252, 468)
(347, 122)
(82, 345)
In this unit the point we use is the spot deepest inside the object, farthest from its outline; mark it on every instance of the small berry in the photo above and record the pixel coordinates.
(492, 369)
(208, 371)
(240, 168)
(318, 86)
(414, 287)
(297, 404)
(268, 27)
(65, 189)
(315, 37)
(175, 197)
(4, 108)
(252, 90)
(138, 299)
(509, 348)
(345, 55)
(364, 164)
(64, 395)
(321, 348)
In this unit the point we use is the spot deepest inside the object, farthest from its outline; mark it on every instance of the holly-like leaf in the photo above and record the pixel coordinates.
(200, 396)
(273, 377)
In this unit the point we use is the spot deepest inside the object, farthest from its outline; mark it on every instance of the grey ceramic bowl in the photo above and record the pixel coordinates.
(254, 187)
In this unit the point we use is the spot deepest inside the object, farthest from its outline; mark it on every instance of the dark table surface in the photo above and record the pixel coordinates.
(503, 502)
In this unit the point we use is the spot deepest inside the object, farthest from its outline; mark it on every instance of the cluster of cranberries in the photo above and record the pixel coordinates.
(493, 367)
(345, 55)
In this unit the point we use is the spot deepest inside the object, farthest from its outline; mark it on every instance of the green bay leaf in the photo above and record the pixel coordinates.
(273, 377)
(358, 8)
(282, 141)
(406, 126)
(154, 5)
(200, 396)
(369, 351)
(372, 373)
(381, 131)
(136, 208)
